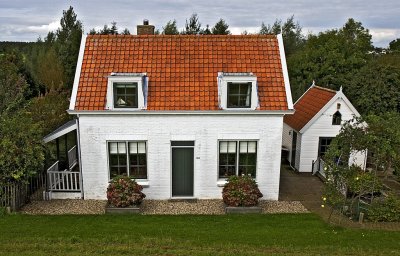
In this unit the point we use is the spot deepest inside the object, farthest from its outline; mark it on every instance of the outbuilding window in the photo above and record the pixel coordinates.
(337, 118)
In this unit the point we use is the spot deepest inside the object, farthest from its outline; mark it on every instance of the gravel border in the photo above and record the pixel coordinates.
(148, 207)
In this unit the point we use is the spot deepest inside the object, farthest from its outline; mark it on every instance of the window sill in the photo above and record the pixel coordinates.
(221, 183)
(144, 183)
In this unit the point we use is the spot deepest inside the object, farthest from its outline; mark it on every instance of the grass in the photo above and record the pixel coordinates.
(280, 234)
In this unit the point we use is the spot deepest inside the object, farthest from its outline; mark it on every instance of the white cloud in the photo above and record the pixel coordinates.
(381, 37)
(52, 26)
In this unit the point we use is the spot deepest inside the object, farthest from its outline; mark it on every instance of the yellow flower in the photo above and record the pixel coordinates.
(357, 178)
(324, 198)
(322, 205)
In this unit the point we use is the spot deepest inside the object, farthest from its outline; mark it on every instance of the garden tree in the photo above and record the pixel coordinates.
(21, 149)
(193, 26)
(49, 110)
(49, 70)
(377, 134)
(220, 28)
(170, 28)
(291, 31)
(126, 32)
(395, 45)
(330, 58)
(375, 88)
(68, 43)
(207, 30)
(12, 85)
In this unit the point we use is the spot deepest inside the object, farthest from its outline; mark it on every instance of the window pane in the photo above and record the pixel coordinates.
(121, 148)
(226, 171)
(133, 147)
(142, 159)
(223, 160)
(243, 147)
(113, 159)
(142, 147)
(223, 147)
(252, 147)
(234, 88)
(232, 147)
(231, 159)
(113, 147)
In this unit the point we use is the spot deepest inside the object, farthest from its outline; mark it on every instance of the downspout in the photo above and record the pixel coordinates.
(78, 144)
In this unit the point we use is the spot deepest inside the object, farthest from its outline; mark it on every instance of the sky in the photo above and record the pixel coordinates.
(27, 20)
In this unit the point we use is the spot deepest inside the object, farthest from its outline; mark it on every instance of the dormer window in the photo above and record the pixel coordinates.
(127, 91)
(237, 91)
(239, 95)
(125, 95)
(337, 118)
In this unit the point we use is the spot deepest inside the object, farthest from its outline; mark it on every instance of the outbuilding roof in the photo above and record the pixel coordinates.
(308, 105)
(181, 69)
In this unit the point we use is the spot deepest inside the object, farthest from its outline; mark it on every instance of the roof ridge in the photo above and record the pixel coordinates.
(323, 88)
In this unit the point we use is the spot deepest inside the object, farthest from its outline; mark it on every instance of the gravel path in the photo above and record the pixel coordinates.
(215, 207)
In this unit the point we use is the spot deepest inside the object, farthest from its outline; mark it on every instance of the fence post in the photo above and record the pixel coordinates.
(13, 198)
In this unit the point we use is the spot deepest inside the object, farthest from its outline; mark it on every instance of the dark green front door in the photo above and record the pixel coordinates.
(182, 172)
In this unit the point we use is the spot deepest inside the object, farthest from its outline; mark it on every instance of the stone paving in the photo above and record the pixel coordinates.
(307, 189)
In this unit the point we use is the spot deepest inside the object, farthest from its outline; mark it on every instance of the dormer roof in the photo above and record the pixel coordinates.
(182, 70)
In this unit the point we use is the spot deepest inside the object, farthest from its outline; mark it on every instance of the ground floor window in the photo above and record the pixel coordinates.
(323, 146)
(128, 158)
(237, 158)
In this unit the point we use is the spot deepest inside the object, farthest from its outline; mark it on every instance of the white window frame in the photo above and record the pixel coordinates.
(126, 142)
(125, 79)
(237, 156)
(238, 79)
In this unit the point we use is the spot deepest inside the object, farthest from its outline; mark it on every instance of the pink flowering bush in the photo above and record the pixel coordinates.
(124, 192)
(241, 191)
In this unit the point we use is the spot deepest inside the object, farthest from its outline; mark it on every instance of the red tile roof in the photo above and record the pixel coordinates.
(308, 106)
(182, 70)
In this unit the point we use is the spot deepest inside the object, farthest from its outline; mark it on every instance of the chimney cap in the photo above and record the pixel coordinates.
(145, 22)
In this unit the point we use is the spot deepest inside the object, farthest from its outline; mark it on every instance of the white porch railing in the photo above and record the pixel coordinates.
(318, 166)
(72, 159)
(63, 181)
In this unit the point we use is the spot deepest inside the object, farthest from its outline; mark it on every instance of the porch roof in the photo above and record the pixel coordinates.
(60, 131)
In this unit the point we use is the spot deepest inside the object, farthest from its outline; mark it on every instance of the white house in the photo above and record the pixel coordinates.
(317, 120)
(179, 113)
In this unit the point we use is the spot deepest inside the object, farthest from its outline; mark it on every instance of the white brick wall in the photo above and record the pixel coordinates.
(159, 130)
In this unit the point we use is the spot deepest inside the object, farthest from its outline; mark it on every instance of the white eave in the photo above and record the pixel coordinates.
(60, 131)
(77, 73)
(285, 72)
(182, 112)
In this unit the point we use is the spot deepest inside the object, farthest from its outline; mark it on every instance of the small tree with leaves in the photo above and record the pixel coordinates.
(170, 28)
(221, 28)
(193, 26)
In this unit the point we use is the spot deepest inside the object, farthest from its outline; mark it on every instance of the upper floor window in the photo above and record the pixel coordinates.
(127, 91)
(337, 118)
(239, 95)
(237, 91)
(125, 95)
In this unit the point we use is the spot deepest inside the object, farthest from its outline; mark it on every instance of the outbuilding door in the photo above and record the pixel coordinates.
(182, 168)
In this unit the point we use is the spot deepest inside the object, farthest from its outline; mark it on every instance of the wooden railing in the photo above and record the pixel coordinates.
(72, 157)
(318, 167)
(67, 180)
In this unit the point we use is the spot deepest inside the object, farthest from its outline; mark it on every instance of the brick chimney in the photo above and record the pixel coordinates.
(145, 29)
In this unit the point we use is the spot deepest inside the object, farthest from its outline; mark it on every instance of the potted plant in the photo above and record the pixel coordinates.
(124, 195)
(241, 194)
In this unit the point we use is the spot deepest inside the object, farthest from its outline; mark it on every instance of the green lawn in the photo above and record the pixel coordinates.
(302, 234)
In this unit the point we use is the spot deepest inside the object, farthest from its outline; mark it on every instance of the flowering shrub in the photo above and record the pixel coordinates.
(124, 192)
(387, 209)
(241, 191)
